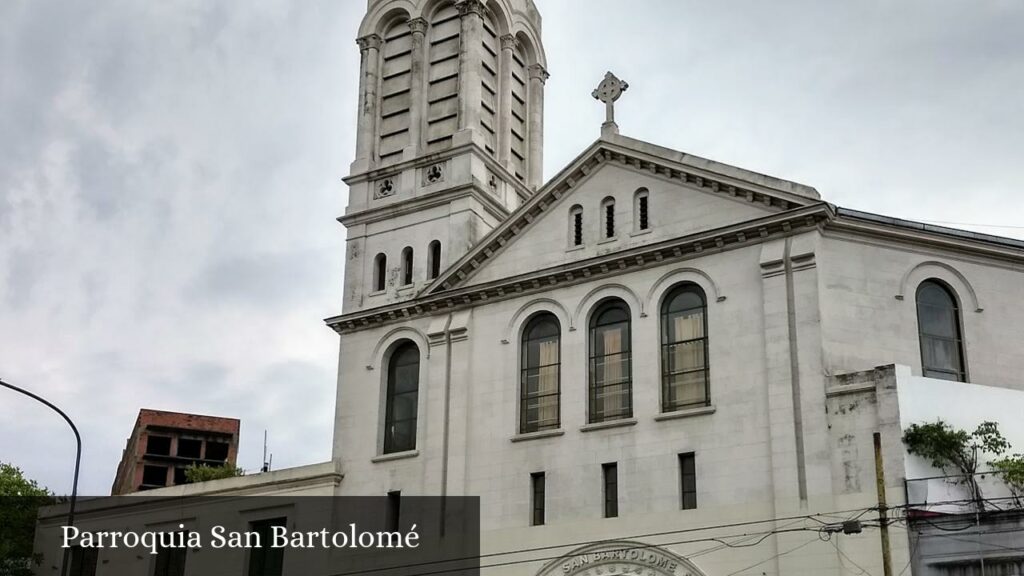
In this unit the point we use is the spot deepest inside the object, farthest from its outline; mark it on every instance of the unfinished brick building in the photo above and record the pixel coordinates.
(163, 444)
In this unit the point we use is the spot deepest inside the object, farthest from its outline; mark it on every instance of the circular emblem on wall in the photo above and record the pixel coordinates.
(620, 558)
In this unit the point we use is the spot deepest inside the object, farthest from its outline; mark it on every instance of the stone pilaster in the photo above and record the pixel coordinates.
(417, 92)
(535, 130)
(369, 66)
(470, 88)
(508, 46)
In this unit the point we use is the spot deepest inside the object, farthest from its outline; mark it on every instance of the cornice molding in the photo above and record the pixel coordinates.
(424, 202)
(522, 190)
(680, 249)
(925, 238)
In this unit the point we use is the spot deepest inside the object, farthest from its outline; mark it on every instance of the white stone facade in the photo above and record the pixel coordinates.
(800, 295)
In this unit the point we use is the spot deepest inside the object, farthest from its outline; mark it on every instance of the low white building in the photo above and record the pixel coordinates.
(652, 363)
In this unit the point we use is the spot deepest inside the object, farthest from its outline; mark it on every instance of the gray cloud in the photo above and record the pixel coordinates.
(170, 174)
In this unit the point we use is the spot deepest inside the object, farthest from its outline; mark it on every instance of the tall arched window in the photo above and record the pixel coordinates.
(380, 272)
(402, 398)
(611, 382)
(407, 266)
(396, 82)
(684, 349)
(608, 215)
(938, 324)
(442, 112)
(539, 384)
(434, 259)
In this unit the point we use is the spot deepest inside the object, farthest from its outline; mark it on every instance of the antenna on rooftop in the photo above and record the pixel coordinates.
(266, 462)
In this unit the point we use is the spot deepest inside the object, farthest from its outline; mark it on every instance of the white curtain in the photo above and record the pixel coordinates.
(611, 378)
(547, 383)
(689, 388)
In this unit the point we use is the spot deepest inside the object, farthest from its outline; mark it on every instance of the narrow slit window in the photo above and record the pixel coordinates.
(394, 510)
(608, 208)
(537, 498)
(611, 489)
(407, 259)
(688, 480)
(434, 259)
(576, 226)
(380, 268)
(643, 221)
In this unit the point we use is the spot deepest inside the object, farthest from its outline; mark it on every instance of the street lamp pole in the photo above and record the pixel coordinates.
(78, 457)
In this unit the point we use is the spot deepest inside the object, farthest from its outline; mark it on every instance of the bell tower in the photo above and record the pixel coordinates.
(449, 137)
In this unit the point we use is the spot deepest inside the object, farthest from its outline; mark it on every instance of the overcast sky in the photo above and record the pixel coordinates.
(170, 173)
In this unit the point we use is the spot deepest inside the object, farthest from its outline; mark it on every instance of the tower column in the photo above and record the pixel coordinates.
(470, 89)
(417, 92)
(508, 46)
(535, 160)
(369, 48)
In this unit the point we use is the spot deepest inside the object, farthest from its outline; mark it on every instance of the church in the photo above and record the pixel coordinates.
(652, 363)
(647, 344)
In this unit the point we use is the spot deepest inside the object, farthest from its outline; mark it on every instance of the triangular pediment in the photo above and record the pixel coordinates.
(686, 195)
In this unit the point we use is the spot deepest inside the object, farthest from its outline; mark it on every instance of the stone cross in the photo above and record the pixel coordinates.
(608, 91)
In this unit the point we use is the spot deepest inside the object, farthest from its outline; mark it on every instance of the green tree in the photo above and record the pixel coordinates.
(203, 473)
(1011, 470)
(20, 499)
(955, 451)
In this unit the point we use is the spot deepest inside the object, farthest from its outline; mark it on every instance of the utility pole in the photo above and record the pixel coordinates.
(78, 461)
(883, 509)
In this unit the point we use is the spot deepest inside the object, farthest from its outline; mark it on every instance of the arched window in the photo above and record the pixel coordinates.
(684, 349)
(380, 272)
(406, 266)
(394, 115)
(938, 324)
(611, 382)
(608, 213)
(402, 398)
(539, 379)
(442, 113)
(434, 259)
(576, 226)
(641, 218)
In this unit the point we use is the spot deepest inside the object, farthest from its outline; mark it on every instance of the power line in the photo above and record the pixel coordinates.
(759, 536)
(770, 558)
(843, 555)
(549, 558)
(858, 511)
